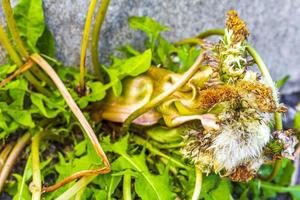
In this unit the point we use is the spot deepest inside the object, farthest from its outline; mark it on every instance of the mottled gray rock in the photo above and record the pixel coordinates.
(274, 26)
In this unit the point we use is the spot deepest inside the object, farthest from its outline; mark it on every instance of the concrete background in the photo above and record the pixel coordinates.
(274, 27)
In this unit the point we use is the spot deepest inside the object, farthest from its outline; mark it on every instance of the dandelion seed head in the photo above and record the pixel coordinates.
(239, 142)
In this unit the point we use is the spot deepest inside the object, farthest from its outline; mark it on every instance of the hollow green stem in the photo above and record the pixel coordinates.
(11, 23)
(83, 182)
(198, 184)
(127, 187)
(275, 170)
(163, 96)
(9, 48)
(95, 39)
(266, 74)
(211, 32)
(84, 44)
(197, 41)
(277, 116)
(12, 158)
(36, 185)
(155, 151)
(36, 84)
(13, 28)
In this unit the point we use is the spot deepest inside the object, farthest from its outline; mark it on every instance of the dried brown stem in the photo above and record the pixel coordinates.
(12, 158)
(19, 71)
(81, 118)
(74, 176)
(3, 156)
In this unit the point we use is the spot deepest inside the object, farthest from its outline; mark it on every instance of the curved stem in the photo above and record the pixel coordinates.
(80, 174)
(163, 96)
(197, 41)
(266, 74)
(127, 187)
(211, 32)
(198, 184)
(277, 116)
(12, 158)
(73, 106)
(36, 185)
(82, 120)
(95, 39)
(275, 170)
(76, 188)
(84, 44)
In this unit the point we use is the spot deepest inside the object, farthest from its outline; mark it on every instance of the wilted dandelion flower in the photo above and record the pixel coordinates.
(243, 106)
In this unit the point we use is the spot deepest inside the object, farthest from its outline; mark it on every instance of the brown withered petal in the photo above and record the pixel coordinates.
(242, 174)
(211, 96)
(263, 95)
(282, 109)
(238, 26)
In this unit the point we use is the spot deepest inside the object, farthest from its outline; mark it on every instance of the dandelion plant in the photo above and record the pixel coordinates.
(194, 119)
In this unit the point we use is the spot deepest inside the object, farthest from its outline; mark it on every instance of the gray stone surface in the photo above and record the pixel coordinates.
(274, 26)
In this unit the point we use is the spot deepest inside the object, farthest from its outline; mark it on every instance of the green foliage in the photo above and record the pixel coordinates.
(147, 185)
(133, 66)
(29, 16)
(149, 26)
(14, 113)
(48, 107)
(222, 191)
(96, 93)
(265, 190)
(153, 175)
(165, 135)
(187, 55)
(46, 43)
(282, 81)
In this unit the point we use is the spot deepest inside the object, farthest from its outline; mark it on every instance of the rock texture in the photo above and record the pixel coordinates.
(274, 27)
